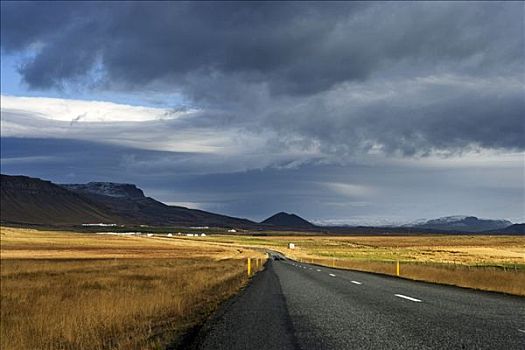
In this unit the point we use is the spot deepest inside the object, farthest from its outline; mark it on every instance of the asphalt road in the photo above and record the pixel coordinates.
(295, 305)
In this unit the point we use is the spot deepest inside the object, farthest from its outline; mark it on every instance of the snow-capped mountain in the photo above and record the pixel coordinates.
(463, 223)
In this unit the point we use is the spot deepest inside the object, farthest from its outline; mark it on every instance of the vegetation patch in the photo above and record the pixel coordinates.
(492, 263)
(111, 303)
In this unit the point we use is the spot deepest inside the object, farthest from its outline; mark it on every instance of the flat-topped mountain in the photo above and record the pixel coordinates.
(129, 202)
(34, 201)
(27, 200)
(110, 189)
(287, 220)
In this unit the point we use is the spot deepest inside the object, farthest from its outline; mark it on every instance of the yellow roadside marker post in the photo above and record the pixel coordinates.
(397, 268)
(249, 267)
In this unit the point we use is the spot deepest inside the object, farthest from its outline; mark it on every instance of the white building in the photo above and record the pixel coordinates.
(232, 230)
(291, 246)
(101, 225)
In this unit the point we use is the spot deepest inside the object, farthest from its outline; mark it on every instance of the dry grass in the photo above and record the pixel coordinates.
(26, 243)
(84, 291)
(494, 263)
(490, 278)
(122, 293)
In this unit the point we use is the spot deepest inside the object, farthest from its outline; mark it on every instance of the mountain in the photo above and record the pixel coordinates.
(129, 202)
(511, 230)
(463, 223)
(26, 200)
(34, 201)
(287, 220)
(109, 189)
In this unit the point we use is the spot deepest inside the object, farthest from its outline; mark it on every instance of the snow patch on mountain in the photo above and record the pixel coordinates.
(110, 189)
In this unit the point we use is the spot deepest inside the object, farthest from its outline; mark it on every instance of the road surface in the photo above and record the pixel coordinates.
(295, 305)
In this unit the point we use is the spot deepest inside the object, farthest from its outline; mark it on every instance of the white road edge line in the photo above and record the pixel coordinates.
(355, 282)
(332, 275)
(408, 298)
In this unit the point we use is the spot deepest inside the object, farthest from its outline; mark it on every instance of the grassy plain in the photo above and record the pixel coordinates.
(64, 290)
(494, 263)
(80, 291)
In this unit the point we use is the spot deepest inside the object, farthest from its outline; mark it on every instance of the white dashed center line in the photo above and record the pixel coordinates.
(355, 282)
(318, 270)
(521, 330)
(408, 298)
(332, 275)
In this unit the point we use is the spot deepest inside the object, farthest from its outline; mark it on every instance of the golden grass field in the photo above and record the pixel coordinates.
(494, 263)
(80, 291)
(63, 290)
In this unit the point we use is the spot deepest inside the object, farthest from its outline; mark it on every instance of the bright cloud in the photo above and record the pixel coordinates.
(80, 111)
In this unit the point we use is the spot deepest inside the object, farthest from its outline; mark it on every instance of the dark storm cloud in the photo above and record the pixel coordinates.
(415, 118)
(294, 47)
(314, 73)
(139, 43)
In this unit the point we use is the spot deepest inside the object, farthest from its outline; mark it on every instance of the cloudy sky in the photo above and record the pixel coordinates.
(358, 113)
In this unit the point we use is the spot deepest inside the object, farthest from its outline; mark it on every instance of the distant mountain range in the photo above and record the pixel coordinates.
(464, 224)
(26, 200)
